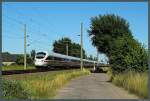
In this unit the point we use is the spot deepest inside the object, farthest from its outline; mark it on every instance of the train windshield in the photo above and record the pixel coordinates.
(40, 55)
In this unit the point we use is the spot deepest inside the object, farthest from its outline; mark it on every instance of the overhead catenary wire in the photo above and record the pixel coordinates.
(4, 31)
(19, 22)
(36, 22)
(33, 30)
(13, 19)
(11, 37)
(36, 41)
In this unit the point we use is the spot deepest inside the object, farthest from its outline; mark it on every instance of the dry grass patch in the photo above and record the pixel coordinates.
(44, 88)
(134, 82)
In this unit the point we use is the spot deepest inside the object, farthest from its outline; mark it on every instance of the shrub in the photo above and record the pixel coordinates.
(14, 90)
(20, 60)
(128, 54)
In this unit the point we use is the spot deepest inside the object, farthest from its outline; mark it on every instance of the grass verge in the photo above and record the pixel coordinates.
(46, 86)
(16, 67)
(13, 89)
(134, 82)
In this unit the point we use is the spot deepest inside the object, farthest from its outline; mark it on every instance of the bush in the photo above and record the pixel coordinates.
(14, 90)
(128, 54)
(20, 60)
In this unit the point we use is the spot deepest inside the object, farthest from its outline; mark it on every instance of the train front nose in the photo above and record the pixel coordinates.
(39, 58)
(39, 62)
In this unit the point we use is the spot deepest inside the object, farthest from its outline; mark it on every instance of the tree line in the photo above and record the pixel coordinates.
(112, 36)
(74, 49)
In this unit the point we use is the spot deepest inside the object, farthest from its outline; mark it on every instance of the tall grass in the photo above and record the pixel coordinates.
(45, 87)
(134, 82)
(14, 90)
(16, 67)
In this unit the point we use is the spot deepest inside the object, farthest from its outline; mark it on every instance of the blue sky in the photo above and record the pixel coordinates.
(47, 22)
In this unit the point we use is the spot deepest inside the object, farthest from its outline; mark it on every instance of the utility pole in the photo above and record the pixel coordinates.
(25, 65)
(66, 42)
(81, 66)
(67, 49)
(97, 57)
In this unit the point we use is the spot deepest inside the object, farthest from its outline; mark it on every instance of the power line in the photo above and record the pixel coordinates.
(11, 24)
(38, 42)
(12, 33)
(30, 19)
(19, 22)
(43, 35)
(37, 23)
(11, 37)
(25, 45)
(32, 30)
(13, 19)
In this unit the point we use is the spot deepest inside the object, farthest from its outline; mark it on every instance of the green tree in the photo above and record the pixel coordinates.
(32, 54)
(60, 46)
(20, 60)
(112, 36)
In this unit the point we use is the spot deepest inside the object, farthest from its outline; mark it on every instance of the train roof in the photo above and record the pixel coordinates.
(58, 55)
(63, 56)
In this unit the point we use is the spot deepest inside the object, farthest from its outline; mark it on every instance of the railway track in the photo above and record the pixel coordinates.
(12, 72)
(56, 67)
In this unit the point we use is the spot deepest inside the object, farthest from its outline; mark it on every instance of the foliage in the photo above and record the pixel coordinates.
(8, 57)
(16, 67)
(134, 82)
(112, 36)
(32, 54)
(20, 60)
(13, 90)
(59, 46)
(128, 54)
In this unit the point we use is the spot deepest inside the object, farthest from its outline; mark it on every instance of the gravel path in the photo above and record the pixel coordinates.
(94, 86)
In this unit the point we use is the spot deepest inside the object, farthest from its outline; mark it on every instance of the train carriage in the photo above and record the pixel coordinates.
(43, 59)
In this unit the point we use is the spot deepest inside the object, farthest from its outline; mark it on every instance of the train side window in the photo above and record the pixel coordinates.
(49, 58)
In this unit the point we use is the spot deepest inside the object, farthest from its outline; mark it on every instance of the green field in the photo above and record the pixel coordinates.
(43, 85)
(16, 67)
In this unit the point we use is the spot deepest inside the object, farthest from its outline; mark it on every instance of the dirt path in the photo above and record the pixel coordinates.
(94, 86)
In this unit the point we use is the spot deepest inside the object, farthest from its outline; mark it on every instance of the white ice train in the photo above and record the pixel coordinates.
(43, 58)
